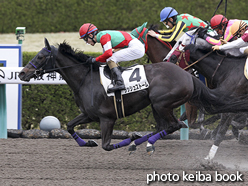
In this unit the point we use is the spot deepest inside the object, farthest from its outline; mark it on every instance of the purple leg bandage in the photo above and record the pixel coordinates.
(78, 140)
(143, 139)
(125, 142)
(157, 136)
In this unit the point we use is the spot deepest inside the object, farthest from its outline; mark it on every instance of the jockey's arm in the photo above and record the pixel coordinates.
(177, 30)
(107, 48)
(218, 42)
(234, 44)
(165, 32)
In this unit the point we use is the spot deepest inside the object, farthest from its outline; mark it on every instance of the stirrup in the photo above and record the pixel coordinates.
(115, 88)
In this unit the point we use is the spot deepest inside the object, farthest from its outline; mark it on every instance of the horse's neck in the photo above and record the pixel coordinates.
(72, 75)
(215, 68)
(157, 50)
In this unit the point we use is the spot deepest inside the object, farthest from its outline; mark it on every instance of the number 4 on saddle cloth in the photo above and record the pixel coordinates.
(134, 78)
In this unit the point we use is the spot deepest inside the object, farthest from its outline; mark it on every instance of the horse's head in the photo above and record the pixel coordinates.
(42, 62)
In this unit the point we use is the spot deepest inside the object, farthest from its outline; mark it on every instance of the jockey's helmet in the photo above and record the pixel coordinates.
(217, 21)
(166, 13)
(87, 29)
(237, 26)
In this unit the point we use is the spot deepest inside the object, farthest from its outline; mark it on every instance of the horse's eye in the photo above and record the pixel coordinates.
(40, 57)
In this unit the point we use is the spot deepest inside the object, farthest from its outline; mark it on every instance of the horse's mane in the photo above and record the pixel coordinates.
(76, 54)
(153, 27)
(66, 49)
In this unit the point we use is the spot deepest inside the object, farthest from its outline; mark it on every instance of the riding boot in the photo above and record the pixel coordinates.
(119, 83)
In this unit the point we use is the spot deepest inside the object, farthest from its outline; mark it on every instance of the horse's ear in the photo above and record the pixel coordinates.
(47, 44)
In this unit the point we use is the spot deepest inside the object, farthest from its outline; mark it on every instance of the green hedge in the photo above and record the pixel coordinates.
(68, 15)
(39, 101)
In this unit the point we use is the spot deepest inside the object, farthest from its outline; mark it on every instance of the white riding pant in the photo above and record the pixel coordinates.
(135, 50)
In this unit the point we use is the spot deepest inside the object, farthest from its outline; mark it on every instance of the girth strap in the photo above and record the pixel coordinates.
(118, 102)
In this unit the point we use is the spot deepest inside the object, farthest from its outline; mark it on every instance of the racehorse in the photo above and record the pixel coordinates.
(169, 87)
(225, 71)
(157, 51)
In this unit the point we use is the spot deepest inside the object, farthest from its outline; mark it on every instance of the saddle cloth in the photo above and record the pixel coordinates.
(134, 79)
(180, 58)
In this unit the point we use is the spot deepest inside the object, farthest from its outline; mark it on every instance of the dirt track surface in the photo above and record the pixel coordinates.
(35, 42)
(62, 162)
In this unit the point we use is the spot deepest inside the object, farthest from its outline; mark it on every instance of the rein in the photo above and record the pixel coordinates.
(217, 69)
(52, 56)
(198, 60)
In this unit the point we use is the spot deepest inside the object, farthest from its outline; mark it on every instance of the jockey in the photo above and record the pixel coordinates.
(177, 24)
(239, 29)
(222, 26)
(110, 39)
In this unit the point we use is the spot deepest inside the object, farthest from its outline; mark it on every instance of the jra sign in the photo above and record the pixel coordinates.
(11, 58)
(9, 75)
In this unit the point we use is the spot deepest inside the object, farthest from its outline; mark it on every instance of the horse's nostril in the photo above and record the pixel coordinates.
(21, 75)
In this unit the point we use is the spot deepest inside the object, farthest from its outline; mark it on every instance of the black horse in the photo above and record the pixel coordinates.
(225, 72)
(157, 51)
(169, 87)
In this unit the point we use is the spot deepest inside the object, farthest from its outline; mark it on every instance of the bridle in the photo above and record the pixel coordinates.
(39, 71)
(51, 58)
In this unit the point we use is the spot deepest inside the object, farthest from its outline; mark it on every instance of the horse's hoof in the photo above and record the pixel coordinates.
(132, 148)
(208, 159)
(183, 124)
(91, 143)
(135, 136)
(150, 150)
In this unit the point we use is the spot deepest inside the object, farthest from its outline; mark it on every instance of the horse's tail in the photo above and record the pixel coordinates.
(214, 101)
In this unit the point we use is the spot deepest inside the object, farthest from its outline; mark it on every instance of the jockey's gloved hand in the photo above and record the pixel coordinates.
(91, 60)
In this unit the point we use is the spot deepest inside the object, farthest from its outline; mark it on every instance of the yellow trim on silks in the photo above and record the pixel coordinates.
(245, 71)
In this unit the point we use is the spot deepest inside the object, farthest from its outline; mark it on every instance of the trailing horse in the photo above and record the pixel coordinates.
(225, 72)
(169, 87)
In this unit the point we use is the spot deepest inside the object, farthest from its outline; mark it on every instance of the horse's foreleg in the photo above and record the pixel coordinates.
(225, 122)
(107, 126)
(106, 133)
(80, 119)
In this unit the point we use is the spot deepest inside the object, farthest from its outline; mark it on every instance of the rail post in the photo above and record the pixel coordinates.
(3, 112)
(184, 132)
